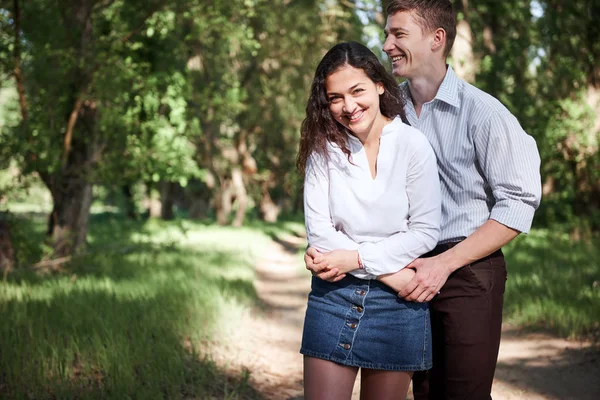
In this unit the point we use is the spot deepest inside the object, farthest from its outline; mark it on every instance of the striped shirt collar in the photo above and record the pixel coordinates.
(447, 92)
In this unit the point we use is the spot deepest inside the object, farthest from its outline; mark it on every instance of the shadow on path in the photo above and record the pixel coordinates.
(544, 367)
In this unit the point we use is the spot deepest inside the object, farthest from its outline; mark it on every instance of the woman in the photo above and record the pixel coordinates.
(372, 206)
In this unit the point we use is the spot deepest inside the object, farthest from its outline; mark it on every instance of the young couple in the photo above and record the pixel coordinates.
(410, 192)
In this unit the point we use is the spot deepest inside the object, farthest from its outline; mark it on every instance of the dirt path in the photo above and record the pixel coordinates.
(530, 366)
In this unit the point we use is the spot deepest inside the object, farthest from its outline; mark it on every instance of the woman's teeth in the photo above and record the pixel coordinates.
(356, 116)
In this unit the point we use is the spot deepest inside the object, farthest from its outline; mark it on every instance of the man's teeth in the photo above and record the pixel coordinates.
(397, 58)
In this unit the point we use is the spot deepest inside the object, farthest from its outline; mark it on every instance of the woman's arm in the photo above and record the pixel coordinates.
(320, 231)
(397, 280)
(393, 253)
(339, 259)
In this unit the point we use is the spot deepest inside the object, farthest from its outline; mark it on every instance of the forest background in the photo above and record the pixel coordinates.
(117, 117)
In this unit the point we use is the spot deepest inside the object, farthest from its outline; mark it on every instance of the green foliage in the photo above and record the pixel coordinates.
(195, 91)
(554, 284)
(543, 67)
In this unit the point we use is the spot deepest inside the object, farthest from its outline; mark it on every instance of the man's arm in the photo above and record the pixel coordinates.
(510, 164)
(433, 272)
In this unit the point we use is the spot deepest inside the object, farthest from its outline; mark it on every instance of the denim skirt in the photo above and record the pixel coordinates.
(363, 323)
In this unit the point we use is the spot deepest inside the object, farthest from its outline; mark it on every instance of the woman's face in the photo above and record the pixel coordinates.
(354, 99)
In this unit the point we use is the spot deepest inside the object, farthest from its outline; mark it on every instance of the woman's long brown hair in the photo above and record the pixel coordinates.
(319, 127)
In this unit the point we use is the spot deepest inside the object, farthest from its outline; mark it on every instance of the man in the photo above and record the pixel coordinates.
(489, 175)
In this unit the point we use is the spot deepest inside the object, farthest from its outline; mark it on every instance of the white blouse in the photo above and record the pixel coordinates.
(391, 220)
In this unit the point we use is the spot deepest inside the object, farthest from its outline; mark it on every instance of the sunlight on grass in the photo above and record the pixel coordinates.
(129, 318)
(114, 325)
(553, 284)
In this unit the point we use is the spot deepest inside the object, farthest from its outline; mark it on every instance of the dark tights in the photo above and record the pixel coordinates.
(326, 380)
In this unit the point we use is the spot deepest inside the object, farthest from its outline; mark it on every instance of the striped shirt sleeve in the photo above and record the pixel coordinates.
(510, 161)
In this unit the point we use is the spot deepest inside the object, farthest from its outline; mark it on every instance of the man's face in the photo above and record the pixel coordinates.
(407, 46)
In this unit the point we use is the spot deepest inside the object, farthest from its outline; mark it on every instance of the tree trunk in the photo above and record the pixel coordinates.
(130, 210)
(7, 253)
(241, 196)
(68, 222)
(167, 200)
(223, 199)
(152, 204)
(268, 209)
(71, 188)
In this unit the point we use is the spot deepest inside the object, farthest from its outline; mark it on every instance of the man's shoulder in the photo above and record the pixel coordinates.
(480, 102)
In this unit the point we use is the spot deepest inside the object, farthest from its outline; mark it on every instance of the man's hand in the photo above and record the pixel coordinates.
(432, 274)
(317, 264)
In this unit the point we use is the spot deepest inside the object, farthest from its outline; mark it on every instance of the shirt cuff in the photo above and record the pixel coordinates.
(514, 214)
(372, 260)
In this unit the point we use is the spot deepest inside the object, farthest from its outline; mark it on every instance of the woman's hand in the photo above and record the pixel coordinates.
(342, 260)
(318, 265)
(399, 279)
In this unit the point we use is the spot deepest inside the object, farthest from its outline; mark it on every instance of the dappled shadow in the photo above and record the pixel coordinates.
(150, 263)
(568, 373)
(553, 284)
(289, 246)
(127, 320)
(95, 341)
(291, 238)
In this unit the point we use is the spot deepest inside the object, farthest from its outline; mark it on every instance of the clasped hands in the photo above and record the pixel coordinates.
(420, 281)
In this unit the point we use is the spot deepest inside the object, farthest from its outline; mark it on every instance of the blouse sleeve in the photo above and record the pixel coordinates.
(320, 229)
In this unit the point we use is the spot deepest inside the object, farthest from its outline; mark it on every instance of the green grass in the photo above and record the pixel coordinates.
(554, 284)
(129, 325)
(130, 319)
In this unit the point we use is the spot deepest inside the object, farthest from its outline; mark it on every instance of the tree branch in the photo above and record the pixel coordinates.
(70, 127)
(159, 5)
(349, 4)
(79, 101)
(17, 59)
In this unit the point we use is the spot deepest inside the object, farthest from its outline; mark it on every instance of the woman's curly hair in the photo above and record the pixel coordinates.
(319, 127)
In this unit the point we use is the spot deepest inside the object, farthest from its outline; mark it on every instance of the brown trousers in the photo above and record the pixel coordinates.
(466, 320)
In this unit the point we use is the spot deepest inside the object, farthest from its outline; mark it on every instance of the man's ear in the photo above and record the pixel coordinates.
(439, 40)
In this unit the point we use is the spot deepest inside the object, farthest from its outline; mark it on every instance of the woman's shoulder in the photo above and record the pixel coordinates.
(406, 134)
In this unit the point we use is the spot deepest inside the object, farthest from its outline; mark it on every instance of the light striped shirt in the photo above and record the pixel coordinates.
(489, 167)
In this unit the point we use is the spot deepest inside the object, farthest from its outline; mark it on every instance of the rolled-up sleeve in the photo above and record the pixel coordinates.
(424, 215)
(510, 162)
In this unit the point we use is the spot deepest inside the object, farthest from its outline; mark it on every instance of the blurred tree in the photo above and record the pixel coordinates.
(544, 67)
(78, 68)
(569, 89)
(204, 100)
(113, 93)
(250, 69)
